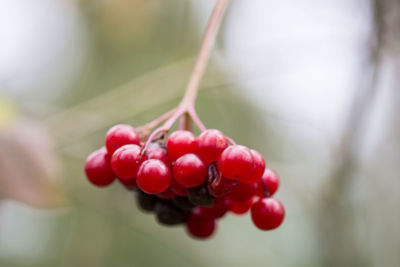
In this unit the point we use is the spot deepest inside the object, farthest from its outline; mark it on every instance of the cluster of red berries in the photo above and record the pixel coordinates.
(189, 180)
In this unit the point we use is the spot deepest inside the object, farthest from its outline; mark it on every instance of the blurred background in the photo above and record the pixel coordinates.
(313, 85)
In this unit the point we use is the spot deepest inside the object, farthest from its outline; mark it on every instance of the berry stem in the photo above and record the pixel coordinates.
(266, 192)
(146, 129)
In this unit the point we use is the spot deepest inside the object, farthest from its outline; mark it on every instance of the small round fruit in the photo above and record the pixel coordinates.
(217, 185)
(129, 184)
(243, 192)
(199, 196)
(183, 203)
(240, 208)
(190, 171)
(200, 225)
(268, 184)
(125, 161)
(98, 169)
(210, 145)
(145, 201)
(180, 143)
(236, 162)
(219, 209)
(120, 135)
(178, 189)
(153, 176)
(258, 170)
(267, 213)
(159, 153)
(168, 214)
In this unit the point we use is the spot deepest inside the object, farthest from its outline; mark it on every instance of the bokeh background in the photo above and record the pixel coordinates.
(313, 85)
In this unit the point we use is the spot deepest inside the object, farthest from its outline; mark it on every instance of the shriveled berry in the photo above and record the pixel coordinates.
(219, 209)
(129, 184)
(120, 135)
(183, 203)
(125, 161)
(145, 201)
(268, 184)
(199, 196)
(180, 143)
(200, 225)
(236, 162)
(190, 171)
(258, 170)
(267, 213)
(98, 168)
(153, 176)
(217, 185)
(210, 145)
(159, 153)
(168, 214)
(243, 192)
(240, 208)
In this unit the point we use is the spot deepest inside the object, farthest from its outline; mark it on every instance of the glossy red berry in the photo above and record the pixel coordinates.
(243, 192)
(200, 225)
(267, 213)
(219, 209)
(190, 171)
(120, 135)
(125, 161)
(159, 153)
(180, 143)
(153, 176)
(98, 169)
(217, 185)
(240, 208)
(268, 184)
(128, 183)
(258, 170)
(210, 145)
(236, 162)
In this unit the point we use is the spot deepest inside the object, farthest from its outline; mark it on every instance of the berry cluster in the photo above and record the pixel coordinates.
(189, 180)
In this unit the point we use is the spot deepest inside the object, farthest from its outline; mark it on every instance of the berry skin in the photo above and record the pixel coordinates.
(168, 214)
(98, 169)
(120, 135)
(258, 170)
(199, 196)
(217, 185)
(236, 162)
(200, 225)
(240, 208)
(190, 171)
(243, 192)
(167, 194)
(178, 189)
(146, 202)
(125, 161)
(219, 209)
(129, 184)
(210, 145)
(159, 153)
(180, 143)
(183, 203)
(153, 176)
(267, 213)
(268, 184)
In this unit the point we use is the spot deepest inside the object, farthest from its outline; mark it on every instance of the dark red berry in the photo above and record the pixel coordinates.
(177, 188)
(125, 161)
(146, 202)
(258, 170)
(219, 209)
(210, 145)
(180, 143)
(200, 225)
(98, 168)
(153, 176)
(268, 184)
(168, 214)
(217, 185)
(167, 194)
(267, 213)
(159, 153)
(120, 135)
(240, 208)
(199, 196)
(130, 184)
(190, 171)
(183, 203)
(243, 192)
(236, 162)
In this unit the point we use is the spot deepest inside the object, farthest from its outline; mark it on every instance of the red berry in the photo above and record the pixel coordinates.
(125, 161)
(200, 225)
(178, 189)
(190, 170)
(210, 145)
(243, 192)
(241, 208)
(268, 184)
(167, 194)
(259, 168)
(120, 135)
(267, 213)
(159, 153)
(236, 162)
(153, 176)
(180, 143)
(217, 185)
(130, 184)
(219, 209)
(98, 169)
